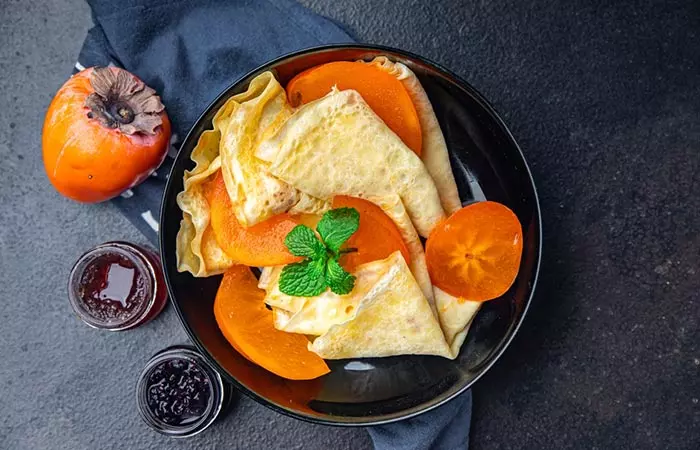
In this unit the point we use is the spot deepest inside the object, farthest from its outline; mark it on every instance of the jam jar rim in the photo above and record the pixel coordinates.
(131, 322)
(214, 407)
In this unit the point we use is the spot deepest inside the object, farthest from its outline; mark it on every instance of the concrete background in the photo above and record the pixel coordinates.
(605, 101)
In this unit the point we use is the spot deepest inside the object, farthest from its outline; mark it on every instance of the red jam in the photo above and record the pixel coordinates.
(117, 286)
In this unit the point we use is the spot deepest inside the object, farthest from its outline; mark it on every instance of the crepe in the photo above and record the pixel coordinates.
(315, 315)
(318, 314)
(256, 195)
(434, 149)
(337, 145)
(280, 318)
(267, 277)
(456, 315)
(243, 121)
(269, 282)
(393, 207)
(196, 247)
(394, 318)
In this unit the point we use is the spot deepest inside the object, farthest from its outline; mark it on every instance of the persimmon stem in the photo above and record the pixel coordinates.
(122, 101)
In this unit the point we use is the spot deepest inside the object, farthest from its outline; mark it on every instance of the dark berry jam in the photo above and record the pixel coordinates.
(117, 286)
(179, 394)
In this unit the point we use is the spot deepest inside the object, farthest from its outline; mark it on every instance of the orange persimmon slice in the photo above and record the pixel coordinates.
(382, 91)
(260, 245)
(475, 253)
(246, 323)
(376, 238)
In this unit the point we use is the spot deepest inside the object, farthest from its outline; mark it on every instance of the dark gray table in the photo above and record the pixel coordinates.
(605, 101)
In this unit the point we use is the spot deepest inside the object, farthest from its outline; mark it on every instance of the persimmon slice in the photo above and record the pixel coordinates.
(259, 245)
(382, 91)
(475, 253)
(247, 324)
(375, 239)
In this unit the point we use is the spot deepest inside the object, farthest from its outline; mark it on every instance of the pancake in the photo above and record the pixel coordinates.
(268, 277)
(315, 315)
(338, 146)
(257, 195)
(394, 318)
(393, 207)
(243, 121)
(269, 282)
(196, 248)
(456, 315)
(434, 149)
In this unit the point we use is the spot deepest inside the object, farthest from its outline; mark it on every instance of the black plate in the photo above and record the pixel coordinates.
(487, 164)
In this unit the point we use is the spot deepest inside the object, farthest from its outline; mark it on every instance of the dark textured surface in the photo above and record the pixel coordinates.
(605, 101)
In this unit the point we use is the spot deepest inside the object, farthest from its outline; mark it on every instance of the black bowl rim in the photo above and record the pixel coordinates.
(462, 84)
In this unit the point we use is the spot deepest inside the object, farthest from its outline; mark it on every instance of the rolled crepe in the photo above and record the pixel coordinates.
(394, 318)
(434, 149)
(338, 145)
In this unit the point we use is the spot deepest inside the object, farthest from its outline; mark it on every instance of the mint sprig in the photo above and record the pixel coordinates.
(320, 269)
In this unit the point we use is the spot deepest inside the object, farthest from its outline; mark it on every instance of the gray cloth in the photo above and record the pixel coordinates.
(189, 51)
(446, 427)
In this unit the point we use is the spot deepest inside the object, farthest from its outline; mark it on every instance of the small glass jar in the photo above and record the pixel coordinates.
(117, 286)
(179, 394)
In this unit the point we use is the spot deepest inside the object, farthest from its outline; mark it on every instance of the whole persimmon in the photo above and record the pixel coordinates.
(105, 132)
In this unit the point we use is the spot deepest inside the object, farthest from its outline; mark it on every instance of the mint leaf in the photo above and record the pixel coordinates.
(304, 279)
(302, 241)
(338, 279)
(320, 269)
(337, 225)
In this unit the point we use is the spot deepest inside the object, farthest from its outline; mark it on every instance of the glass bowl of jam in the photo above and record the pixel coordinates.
(178, 394)
(117, 286)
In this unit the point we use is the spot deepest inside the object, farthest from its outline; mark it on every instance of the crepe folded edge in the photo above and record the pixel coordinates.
(434, 154)
(394, 318)
(196, 250)
(332, 146)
